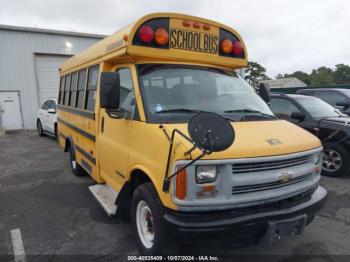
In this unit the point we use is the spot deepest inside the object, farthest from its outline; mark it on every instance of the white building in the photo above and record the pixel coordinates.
(29, 62)
(284, 83)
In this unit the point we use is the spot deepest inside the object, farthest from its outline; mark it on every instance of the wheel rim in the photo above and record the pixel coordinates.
(332, 160)
(74, 164)
(144, 223)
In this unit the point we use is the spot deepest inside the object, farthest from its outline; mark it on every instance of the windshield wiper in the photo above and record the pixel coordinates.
(249, 111)
(180, 110)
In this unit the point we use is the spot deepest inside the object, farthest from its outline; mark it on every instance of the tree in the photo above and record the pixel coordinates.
(255, 73)
(341, 74)
(321, 76)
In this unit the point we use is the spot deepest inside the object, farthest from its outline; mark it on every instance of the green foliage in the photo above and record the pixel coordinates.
(341, 74)
(255, 73)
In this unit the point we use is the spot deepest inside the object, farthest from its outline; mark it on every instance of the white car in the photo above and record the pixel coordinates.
(46, 123)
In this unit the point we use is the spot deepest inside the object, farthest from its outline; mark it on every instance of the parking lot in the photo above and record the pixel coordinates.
(58, 217)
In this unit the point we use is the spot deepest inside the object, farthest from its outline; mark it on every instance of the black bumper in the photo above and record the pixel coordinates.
(241, 223)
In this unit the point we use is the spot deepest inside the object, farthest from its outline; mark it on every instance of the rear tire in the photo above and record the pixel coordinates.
(39, 128)
(148, 224)
(77, 170)
(335, 160)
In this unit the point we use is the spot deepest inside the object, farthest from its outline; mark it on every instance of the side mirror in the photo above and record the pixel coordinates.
(298, 116)
(343, 105)
(51, 111)
(109, 90)
(264, 93)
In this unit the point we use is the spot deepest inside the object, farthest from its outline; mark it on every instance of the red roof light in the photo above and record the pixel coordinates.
(146, 34)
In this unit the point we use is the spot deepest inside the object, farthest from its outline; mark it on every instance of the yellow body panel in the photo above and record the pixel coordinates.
(127, 145)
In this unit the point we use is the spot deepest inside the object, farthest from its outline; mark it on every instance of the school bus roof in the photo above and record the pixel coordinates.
(185, 38)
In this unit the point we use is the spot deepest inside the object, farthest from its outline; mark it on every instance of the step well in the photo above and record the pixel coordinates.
(106, 196)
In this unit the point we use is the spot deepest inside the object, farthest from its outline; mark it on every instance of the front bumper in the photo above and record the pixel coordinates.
(242, 223)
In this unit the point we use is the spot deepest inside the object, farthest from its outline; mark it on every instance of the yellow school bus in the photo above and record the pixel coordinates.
(178, 143)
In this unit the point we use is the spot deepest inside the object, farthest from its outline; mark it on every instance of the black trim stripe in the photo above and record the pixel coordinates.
(86, 114)
(77, 129)
(86, 154)
(86, 166)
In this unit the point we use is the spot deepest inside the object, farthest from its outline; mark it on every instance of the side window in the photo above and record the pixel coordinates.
(73, 89)
(90, 96)
(283, 107)
(66, 90)
(127, 89)
(61, 91)
(332, 97)
(81, 88)
(44, 106)
(51, 104)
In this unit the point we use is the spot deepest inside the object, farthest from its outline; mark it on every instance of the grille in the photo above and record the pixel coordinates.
(267, 186)
(268, 165)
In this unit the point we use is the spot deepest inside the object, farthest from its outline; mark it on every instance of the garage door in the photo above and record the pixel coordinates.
(47, 75)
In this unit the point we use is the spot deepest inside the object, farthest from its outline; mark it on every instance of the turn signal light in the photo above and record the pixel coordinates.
(226, 46)
(146, 34)
(237, 48)
(161, 36)
(181, 184)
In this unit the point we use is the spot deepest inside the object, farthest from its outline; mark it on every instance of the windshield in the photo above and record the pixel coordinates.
(317, 108)
(175, 93)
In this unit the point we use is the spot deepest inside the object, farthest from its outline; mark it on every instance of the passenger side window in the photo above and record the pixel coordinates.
(283, 108)
(91, 88)
(61, 91)
(73, 89)
(332, 97)
(81, 88)
(127, 89)
(44, 106)
(66, 90)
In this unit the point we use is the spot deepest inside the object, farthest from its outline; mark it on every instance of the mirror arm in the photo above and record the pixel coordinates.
(166, 183)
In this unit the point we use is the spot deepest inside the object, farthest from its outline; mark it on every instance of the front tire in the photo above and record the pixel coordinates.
(77, 170)
(335, 160)
(148, 224)
(39, 128)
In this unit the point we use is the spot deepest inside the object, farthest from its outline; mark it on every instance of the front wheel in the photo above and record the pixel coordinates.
(148, 225)
(77, 170)
(335, 160)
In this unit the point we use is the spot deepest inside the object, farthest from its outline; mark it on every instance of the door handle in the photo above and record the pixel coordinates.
(102, 124)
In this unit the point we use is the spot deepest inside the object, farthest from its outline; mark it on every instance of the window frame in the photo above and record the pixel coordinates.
(61, 89)
(73, 90)
(87, 89)
(67, 91)
(81, 90)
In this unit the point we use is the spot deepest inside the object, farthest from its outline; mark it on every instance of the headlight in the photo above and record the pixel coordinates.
(317, 158)
(205, 174)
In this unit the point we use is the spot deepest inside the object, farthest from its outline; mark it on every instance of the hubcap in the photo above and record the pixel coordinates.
(144, 223)
(332, 160)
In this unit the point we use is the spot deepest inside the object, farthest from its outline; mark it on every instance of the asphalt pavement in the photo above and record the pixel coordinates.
(59, 220)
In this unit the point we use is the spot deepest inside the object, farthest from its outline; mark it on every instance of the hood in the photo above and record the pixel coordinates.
(258, 139)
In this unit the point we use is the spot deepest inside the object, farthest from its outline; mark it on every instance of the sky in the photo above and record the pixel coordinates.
(283, 36)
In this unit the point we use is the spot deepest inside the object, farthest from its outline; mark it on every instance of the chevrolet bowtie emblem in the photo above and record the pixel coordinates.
(285, 177)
